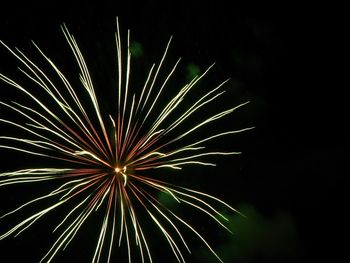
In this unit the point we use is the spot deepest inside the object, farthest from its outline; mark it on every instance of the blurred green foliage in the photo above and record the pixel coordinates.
(136, 49)
(257, 238)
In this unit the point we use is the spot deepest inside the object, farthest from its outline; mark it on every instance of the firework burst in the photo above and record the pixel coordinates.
(107, 161)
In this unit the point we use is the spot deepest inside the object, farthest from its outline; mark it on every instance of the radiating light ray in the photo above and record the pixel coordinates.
(153, 201)
(103, 162)
(86, 80)
(155, 78)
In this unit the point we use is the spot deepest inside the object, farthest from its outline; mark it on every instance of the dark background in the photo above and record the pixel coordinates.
(288, 59)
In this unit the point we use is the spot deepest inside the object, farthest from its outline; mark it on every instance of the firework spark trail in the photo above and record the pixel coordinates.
(109, 172)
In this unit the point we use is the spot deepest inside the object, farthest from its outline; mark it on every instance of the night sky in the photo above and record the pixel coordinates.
(286, 59)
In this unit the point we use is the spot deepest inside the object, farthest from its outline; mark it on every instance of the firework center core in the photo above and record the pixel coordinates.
(119, 170)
